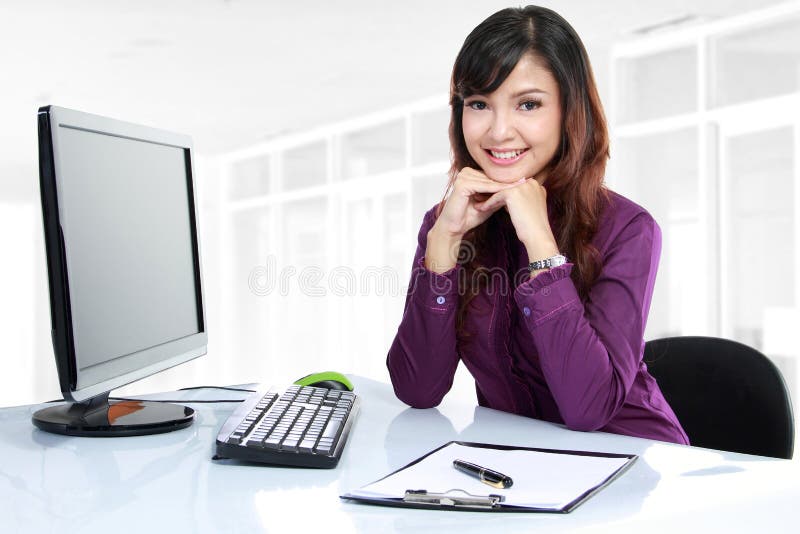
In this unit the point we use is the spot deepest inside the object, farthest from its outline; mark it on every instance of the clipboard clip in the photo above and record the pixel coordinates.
(467, 500)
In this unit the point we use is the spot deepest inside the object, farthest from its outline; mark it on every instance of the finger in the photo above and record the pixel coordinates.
(474, 176)
(493, 203)
(470, 186)
(479, 177)
(487, 209)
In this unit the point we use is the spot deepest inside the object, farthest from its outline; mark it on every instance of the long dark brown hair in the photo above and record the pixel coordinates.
(574, 184)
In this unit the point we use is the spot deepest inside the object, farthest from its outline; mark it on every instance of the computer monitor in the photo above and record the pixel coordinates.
(126, 293)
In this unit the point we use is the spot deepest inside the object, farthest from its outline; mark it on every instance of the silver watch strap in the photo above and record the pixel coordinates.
(548, 263)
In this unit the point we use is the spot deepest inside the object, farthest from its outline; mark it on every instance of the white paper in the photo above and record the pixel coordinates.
(541, 479)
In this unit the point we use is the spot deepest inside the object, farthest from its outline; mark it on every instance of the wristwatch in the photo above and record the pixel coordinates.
(547, 263)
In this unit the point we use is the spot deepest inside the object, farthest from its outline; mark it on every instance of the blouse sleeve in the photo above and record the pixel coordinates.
(422, 360)
(590, 352)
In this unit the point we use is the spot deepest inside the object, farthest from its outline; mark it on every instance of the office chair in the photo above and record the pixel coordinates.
(726, 395)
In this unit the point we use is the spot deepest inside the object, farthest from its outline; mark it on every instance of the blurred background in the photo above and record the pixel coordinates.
(320, 132)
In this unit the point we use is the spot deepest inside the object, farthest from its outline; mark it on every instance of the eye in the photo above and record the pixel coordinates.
(530, 105)
(477, 105)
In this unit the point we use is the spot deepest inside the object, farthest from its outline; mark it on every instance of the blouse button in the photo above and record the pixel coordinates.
(440, 300)
(527, 311)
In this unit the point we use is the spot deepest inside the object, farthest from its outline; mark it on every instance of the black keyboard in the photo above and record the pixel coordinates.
(305, 427)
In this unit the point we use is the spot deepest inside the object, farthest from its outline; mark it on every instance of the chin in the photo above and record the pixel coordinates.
(507, 175)
(503, 177)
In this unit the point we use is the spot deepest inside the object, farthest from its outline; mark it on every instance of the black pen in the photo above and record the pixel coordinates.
(487, 476)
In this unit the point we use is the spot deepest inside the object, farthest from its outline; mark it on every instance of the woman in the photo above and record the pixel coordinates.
(529, 271)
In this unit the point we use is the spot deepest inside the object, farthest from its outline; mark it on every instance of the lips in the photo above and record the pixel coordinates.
(505, 156)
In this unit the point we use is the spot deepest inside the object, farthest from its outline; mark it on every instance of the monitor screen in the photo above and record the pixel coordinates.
(122, 250)
(128, 242)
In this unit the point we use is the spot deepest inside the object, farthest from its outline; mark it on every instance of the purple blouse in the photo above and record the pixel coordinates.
(534, 347)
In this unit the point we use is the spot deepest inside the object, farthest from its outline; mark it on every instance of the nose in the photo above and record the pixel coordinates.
(501, 128)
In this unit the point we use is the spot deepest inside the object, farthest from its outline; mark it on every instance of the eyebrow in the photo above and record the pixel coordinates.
(528, 91)
(518, 94)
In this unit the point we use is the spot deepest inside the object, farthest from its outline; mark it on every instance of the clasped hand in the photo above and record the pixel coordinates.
(475, 197)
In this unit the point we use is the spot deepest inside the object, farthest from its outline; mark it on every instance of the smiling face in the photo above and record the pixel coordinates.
(515, 131)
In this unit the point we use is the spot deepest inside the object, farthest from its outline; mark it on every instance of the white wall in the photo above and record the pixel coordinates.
(232, 74)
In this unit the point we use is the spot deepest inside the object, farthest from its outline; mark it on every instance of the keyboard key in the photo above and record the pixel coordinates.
(332, 430)
(307, 445)
(255, 443)
(272, 442)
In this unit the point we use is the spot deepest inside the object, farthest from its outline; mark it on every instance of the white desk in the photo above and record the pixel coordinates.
(168, 482)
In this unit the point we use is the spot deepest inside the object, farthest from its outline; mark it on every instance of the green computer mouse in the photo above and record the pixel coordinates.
(326, 379)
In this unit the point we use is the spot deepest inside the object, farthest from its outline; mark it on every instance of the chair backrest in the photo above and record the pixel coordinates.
(726, 395)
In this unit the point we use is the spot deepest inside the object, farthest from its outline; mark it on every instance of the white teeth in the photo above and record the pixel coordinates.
(506, 155)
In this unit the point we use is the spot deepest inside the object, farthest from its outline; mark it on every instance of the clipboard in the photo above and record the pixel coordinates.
(545, 480)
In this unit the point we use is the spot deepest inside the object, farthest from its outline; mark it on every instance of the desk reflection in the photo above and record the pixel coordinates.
(84, 478)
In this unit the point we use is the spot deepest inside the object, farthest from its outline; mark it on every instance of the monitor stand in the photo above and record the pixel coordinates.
(102, 417)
